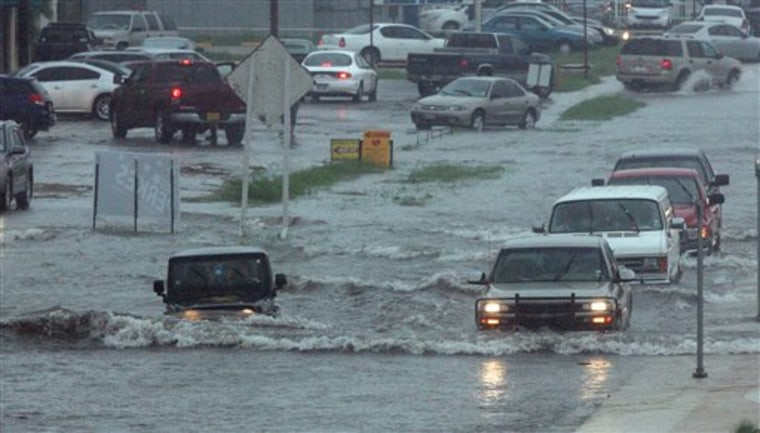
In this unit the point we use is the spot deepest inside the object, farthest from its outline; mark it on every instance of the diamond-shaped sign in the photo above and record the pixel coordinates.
(267, 66)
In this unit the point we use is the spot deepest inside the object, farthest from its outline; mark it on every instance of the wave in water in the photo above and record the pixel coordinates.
(121, 331)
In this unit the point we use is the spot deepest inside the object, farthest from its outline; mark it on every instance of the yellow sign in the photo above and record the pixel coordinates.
(345, 149)
(377, 148)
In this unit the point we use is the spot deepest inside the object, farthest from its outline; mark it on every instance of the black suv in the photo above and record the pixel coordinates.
(58, 41)
(28, 103)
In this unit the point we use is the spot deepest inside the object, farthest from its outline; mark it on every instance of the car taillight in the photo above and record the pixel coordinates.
(342, 43)
(666, 64)
(343, 75)
(705, 232)
(662, 264)
(463, 63)
(36, 98)
(176, 93)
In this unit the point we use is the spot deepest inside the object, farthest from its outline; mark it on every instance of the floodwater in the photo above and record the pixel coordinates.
(377, 330)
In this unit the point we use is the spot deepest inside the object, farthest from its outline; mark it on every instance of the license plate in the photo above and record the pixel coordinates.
(639, 69)
(320, 86)
(212, 116)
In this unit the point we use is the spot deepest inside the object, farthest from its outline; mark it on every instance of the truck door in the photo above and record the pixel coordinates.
(134, 98)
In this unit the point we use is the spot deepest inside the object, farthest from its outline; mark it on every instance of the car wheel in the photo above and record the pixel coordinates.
(117, 128)
(188, 134)
(102, 107)
(6, 195)
(732, 78)
(122, 46)
(25, 197)
(681, 80)
(564, 46)
(359, 95)
(27, 130)
(450, 25)
(425, 88)
(423, 126)
(478, 120)
(529, 119)
(234, 135)
(162, 128)
(716, 242)
(373, 93)
(372, 55)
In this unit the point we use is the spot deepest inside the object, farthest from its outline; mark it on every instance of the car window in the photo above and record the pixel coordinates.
(360, 30)
(502, 23)
(138, 23)
(531, 23)
(109, 22)
(587, 216)
(653, 47)
(140, 74)
(731, 31)
(513, 89)
(549, 264)
(681, 190)
(685, 29)
(328, 59)
(499, 90)
(168, 22)
(695, 49)
(152, 22)
(664, 161)
(16, 87)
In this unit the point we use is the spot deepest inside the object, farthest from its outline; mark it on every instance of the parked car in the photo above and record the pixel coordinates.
(445, 17)
(123, 28)
(389, 42)
(116, 68)
(111, 56)
(171, 42)
(609, 35)
(728, 38)
(724, 14)
(26, 102)
(538, 33)
(341, 73)
(649, 14)
(658, 61)
(168, 53)
(298, 48)
(594, 38)
(75, 87)
(475, 102)
(686, 190)
(561, 281)
(216, 282)
(59, 40)
(638, 222)
(16, 168)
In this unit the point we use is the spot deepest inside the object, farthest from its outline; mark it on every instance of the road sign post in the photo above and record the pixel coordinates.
(700, 373)
(757, 176)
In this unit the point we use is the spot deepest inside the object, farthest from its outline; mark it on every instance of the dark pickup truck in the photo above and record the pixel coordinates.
(480, 53)
(177, 95)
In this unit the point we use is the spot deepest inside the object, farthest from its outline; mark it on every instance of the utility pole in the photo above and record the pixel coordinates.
(700, 372)
(274, 17)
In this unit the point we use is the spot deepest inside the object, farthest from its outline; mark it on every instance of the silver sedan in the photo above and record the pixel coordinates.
(729, 39)
(475, 102)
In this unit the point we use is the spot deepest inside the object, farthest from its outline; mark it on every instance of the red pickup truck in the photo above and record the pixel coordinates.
(177, 95)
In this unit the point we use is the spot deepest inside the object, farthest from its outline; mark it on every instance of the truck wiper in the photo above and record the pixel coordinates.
(565, 268)
(683, 187)
(630, 218)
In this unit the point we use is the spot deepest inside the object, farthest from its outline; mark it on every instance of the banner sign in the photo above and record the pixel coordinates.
(377, 148)
(345, 149)
(137, 185)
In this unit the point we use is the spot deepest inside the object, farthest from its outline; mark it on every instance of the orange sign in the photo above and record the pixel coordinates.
(377, 148)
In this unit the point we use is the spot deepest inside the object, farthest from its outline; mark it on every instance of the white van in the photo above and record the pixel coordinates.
(637, 220)
(121, 29)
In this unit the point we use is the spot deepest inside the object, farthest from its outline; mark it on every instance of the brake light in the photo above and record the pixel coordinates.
(705, 232)
(36, 98)
(662, 264)
(463, 63)
(342, 43)
(176, 93)
(343, 75)
(185, 62)
(666, 64)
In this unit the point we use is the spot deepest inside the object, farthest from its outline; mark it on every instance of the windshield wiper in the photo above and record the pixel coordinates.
(630, 218)
(566, 268)
(686, 190)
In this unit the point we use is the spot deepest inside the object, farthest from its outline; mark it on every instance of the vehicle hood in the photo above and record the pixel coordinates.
(688, 212)
(645, 243)
(444, 100)
(550, 289)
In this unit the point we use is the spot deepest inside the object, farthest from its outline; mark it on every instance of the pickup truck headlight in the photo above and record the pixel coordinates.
(598, 306)
(493, 307)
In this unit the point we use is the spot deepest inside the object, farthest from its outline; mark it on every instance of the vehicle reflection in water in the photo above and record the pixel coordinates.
(493, 379)
(595, 378)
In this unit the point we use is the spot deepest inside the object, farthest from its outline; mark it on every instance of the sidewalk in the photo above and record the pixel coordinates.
(658, 401)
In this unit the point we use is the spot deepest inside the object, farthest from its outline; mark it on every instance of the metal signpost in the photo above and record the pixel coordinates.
(757, 175)
(700, 373)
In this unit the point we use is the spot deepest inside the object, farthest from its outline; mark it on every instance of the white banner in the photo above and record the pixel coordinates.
(138, 185)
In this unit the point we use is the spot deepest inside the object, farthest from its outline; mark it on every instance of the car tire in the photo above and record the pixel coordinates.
(477, 122)
(101, 108)
(27, 130)
(681, 80)
(359, 95)
(188, 134)
(422, 126)
(425, 88)
(162, 128)
(117, 128)
(24, 198)
(6, 195)
(234, 135)
(528, 120)
(450, 26)
(733, 78)
(372, 55)
(373, 93)
(564, 46)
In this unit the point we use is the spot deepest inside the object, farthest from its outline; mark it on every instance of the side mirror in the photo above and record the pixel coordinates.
(597, 182)
(482, 280)
(280, 281)
(539, 228)
(677, 223)
(118, 79)
(625, 274)
(720, 180)
(158, 287)
(716, 198)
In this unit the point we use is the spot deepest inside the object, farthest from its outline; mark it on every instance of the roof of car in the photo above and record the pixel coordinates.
(217, 251)
(658, 171)
(662, 151)
(646, 192)
(555, 240)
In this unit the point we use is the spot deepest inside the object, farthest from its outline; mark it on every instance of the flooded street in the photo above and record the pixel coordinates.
(377, 329)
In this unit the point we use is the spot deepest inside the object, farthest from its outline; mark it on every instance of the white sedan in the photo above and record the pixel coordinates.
(75, 87)
(729, 39)
(389, 42)
(724, 14)
(341, 73)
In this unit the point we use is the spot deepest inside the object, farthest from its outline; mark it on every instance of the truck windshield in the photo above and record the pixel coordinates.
(212, 279)
(593, 216)
(681, 190)
(549, 264)
(109, 22)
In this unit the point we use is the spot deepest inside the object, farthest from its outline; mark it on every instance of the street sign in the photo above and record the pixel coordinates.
(266, 66)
